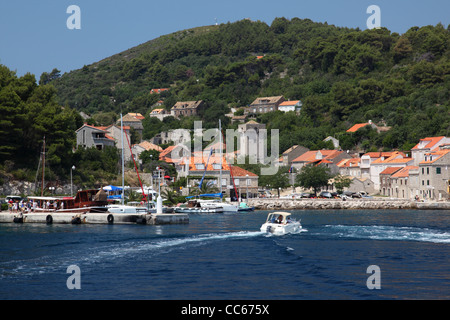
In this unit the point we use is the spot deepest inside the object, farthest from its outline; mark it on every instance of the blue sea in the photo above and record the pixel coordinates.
(226, 257)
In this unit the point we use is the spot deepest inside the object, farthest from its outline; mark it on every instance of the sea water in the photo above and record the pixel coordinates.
(225, 256)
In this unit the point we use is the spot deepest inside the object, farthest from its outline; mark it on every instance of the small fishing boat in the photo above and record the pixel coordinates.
(244, 207)
(280, 223)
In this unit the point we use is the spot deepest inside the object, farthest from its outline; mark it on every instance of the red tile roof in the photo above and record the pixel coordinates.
(390, 170)
(239, 172)
(435, 155)
(404, 172)
(427, 143)
(357, 126)
(310, 156)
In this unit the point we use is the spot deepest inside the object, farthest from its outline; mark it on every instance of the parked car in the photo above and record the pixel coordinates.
(307, 195)
(325, 194)
(352, 194)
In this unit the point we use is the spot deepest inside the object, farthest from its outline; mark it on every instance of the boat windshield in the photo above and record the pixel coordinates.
(277, 217)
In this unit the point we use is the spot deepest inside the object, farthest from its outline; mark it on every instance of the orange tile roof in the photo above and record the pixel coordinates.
(158, 90)
(435, 155)
(289, 103)
(310, 156)
(382, 154)
(398, 160)
(166, 151)
(137, 115)
(357, 126)
(193, 160)
(347, 163)
(431, 142)
(404, 172)
(150, 146)
(239, 172)
(391, 158)
(390, 170)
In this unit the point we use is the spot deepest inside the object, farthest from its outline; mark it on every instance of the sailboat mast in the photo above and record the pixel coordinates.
(221, 151)
(43, 168)
(123, 160)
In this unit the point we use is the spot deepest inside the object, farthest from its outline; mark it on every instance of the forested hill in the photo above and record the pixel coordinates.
(343, 76)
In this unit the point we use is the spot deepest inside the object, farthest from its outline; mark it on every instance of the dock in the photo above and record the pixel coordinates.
(94, 218)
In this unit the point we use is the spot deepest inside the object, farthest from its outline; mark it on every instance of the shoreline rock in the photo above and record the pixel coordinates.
(334, 204)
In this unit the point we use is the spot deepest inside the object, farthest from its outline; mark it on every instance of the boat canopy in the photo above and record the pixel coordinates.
(275, 215)
(111, 188)
(45, 198)
(212, 195)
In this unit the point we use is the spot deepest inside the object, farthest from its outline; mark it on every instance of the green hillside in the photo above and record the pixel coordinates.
(343, 76)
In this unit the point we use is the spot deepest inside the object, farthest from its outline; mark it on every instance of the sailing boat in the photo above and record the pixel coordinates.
(122, 208)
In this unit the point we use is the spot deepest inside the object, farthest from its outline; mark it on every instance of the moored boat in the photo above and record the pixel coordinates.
(195, 206)
(90, 200)
(244, 207)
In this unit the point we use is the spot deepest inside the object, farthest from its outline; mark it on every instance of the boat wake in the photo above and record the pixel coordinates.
(135, 249)
(391, 233)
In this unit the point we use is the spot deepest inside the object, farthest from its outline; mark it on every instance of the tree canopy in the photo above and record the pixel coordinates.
(342, 76)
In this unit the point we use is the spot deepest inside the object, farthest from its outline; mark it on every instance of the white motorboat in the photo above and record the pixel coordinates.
(227, 207)
(116, 208)
(280, 223)
(196, 206)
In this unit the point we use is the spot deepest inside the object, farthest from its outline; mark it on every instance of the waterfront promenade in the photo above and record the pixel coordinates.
(363, 203)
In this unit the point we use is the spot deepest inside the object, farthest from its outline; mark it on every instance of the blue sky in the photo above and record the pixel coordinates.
(34, 36)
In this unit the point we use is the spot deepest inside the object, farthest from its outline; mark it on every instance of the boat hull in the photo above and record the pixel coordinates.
(198, 210)
(281, 229)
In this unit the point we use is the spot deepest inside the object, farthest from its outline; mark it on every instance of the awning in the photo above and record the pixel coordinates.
(111, 188)
(213, 195)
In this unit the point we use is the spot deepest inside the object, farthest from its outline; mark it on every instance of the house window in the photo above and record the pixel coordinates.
(199, 166)
(428, 182)
(438, 170)
(423, 182)
(428, 170)
(216, 166)
(423, 170)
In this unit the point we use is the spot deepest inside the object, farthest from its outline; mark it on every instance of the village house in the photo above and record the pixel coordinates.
(361, 184)
(386, 186)
(100, 137)
(434, 174)
(286, 106)
(159, 113)
(326, 158)
(396, 159)
(187, 108)
(158, 90)
(90, 136)
(291, 154)
(358, 126)
(350, 167)
(426, 145)
(137, 149)
(404, 182)
(133, 120)
(252, 142)
(236, 182)
(265, 104)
